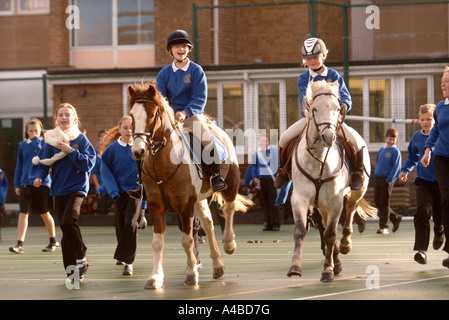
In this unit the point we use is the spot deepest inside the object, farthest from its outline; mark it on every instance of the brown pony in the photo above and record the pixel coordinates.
(173, 181)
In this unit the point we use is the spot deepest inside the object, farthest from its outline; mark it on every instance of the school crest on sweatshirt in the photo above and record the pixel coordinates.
(187, 78)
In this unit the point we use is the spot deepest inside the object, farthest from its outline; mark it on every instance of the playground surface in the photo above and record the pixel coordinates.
(379, 267)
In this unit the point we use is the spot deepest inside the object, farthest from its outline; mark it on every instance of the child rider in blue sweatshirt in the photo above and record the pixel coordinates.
(184, 85)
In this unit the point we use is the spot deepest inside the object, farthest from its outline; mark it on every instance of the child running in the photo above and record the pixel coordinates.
(427, 192)
(70, 184)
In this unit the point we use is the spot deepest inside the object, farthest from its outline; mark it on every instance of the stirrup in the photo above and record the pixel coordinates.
(356, 180)
(136, 193)
(280, 179)
(219, 184)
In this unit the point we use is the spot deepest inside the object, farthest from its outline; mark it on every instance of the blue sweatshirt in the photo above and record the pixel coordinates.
(415, 153)
(438, 139)
(3, 186)
(27, 150)
(330, 76)
(97, 167)
(388, 164)
(185, 90)
(118, 169)
(71, 173)
(265, 163)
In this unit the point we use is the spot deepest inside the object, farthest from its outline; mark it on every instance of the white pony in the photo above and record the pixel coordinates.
(321, 179)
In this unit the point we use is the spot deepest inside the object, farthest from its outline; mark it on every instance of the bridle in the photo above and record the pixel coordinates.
(318, 182)
(153, 146)
(326, 125)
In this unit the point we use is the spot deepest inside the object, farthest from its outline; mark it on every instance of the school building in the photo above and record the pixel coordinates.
(392, 54)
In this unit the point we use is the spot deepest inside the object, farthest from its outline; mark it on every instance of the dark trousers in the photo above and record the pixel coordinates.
(68, 211)
(267, 195)
(442, 173)
(127, 210)
(382, 194)
(428, 205)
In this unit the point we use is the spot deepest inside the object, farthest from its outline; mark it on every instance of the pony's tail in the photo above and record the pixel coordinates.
(242, 203)
(365, 209)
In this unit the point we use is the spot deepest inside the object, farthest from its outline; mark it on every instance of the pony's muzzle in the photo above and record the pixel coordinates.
(328, 137)
(137, 151)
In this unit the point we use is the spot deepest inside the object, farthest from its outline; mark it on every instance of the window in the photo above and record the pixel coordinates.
(6, 7)
(415, 95)
(34, 6)
(379, 107)
(211, 109)
(356, 89)
(233, 106)
(293, 109)
(114, 23)
(268, 106)
(10, 7)
(135, 22)
(95, 23)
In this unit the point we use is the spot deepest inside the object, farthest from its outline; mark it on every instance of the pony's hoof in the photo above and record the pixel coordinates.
(229, 247)
(327, 276)
(218, 272)
(345, 247)
(337, 269)
(153, 284)
(191, 279)
(294, 271)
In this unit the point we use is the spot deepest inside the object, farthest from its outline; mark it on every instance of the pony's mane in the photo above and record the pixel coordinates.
(315, 88)
(143, 92)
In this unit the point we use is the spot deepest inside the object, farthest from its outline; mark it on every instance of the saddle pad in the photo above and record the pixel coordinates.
(219, 148)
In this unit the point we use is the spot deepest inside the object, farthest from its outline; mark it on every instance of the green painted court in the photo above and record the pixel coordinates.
(379, 267)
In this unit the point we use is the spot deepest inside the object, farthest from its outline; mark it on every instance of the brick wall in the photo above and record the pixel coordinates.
(99, 109)
(58, 43)
(29, 41)
(24, 41)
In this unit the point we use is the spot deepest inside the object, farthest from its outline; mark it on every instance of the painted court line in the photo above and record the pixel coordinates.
(365, 289)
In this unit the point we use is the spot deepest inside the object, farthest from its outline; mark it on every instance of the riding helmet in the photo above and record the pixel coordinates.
(313, 47)
(179, 37)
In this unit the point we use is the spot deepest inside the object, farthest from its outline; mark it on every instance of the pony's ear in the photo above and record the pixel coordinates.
(152, 90)
(131, 90)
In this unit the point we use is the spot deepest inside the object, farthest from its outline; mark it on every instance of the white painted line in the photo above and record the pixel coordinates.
(364, 289)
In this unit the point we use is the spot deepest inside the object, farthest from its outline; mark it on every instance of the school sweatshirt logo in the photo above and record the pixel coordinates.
(388, 155)
(187, 78)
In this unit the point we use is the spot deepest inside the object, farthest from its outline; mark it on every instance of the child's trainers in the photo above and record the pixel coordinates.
(16, 249)
(51, 247)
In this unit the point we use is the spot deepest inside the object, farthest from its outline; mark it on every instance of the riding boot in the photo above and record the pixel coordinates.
(138, 192)
(282, 176)
(216, 180)
(357, 177)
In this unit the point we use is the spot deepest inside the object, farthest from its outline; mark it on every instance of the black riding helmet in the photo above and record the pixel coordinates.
(179, 37)
(313, 47)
